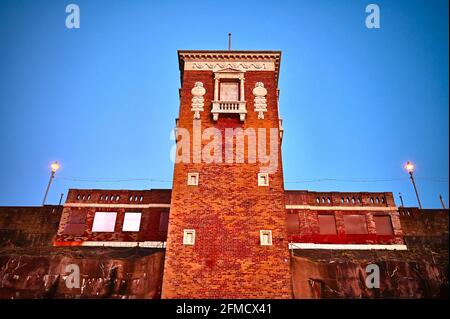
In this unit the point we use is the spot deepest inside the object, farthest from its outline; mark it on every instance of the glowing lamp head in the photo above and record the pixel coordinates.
(54, 166)
(409, 167)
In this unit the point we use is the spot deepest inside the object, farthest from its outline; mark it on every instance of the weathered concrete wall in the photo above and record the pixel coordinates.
(102, 274)
(416, 273)
(31, 268)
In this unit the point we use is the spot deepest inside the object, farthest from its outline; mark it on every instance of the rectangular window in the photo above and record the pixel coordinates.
(132, 222)
(74, 229)
(265, 237)
(327, 224)
(229, 91)
(189, 237)
(383, 225)
(355, 224)
(104, 222)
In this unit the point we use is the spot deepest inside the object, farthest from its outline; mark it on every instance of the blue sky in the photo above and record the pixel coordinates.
(102, 99)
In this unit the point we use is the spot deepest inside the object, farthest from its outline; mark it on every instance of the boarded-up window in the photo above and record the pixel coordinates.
(104, 222)
(77, 217)
(163, 221)
(355, 224)
(229, 91)
(131, 222)
(327, 224)
(74, 229)
(383, 225)
(292, 222)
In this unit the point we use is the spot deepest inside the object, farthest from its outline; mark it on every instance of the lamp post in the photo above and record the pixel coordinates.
(401, 199)
(410, 168)
(54, 167)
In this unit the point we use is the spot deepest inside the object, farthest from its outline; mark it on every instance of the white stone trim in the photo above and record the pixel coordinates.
(97, 205)
(263, 179)
(221, 65)
(263, 233)
(346, 246)
(144, 244)
(189, 234)
(351, 208)
(198, 91)
(260, 101)
(195, 176)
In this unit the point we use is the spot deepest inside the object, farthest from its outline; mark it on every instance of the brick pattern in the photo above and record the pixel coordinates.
(227, 210)
(424, 222)
(304, 224)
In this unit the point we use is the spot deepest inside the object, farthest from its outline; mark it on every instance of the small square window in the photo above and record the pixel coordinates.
(131, 222)
(265, 237)
(193, 179)
(189, 237)
(263, 179)
(104, 222)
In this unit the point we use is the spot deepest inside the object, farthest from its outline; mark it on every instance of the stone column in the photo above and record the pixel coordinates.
(216, 89)
(242, 89)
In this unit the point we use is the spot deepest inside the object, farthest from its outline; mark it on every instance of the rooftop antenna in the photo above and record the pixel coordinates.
(442, 201)
(229, 41)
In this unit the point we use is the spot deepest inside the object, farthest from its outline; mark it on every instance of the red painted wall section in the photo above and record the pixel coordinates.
(79, 210)
(304, 207)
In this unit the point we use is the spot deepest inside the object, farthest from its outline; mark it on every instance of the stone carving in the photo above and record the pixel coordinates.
(233, 65)
(260, 99)
(197, 99)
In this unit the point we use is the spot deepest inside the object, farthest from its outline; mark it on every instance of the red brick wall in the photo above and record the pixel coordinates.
(304, 225)
(227, 209)
(424, 222)
(128, 201)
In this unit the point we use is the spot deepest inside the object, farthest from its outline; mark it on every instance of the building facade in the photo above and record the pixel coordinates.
(228, 226)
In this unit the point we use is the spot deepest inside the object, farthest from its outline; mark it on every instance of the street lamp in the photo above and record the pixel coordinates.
(410, 168)
(54, 167)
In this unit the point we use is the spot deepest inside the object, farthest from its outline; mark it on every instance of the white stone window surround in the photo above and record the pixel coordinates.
(236, 107)
(104, 222)
(132, 222)
(189, 237)
(193, 179)
(263, 179)
(265, 237)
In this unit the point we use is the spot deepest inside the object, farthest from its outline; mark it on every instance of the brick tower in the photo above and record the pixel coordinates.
(227, 233)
